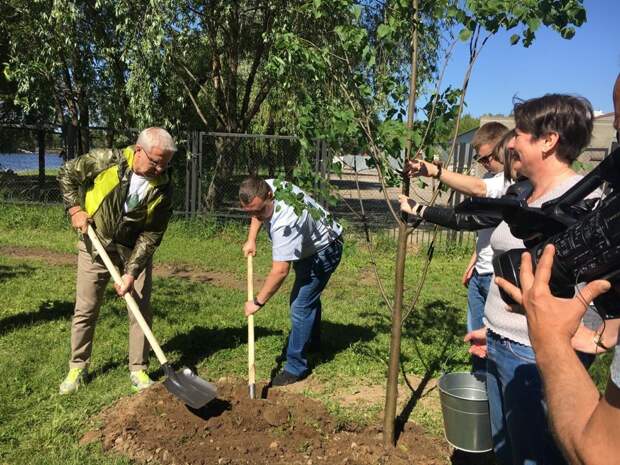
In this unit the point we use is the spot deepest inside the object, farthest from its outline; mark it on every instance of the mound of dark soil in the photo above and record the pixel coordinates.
(284, 428)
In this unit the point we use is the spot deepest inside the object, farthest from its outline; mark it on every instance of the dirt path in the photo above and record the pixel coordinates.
(184, 271)
(283, 428)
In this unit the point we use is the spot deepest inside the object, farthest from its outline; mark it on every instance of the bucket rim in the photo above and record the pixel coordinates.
(444, 391)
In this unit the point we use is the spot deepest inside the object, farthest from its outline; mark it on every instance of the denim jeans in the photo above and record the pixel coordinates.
(477, 291)
(311, 277)
(521, 434)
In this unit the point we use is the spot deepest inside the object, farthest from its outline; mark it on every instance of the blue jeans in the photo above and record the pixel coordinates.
(521, 434)
(311, 277)
(477, 291)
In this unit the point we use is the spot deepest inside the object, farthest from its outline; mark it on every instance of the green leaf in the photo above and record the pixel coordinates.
(533, 23)
(452, 12)
(383, 30)
(514, 39)
(567, 32)
(465, 34)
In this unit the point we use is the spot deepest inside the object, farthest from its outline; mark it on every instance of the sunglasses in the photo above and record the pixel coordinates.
(483, 160)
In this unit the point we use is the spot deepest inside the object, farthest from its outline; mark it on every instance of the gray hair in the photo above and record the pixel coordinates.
(156, 137)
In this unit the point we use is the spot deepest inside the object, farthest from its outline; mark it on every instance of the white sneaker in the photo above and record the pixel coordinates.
(140, 380)
(75, 378)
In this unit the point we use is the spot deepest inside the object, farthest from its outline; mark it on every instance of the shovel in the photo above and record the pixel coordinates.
(184, 384)
(251, 364)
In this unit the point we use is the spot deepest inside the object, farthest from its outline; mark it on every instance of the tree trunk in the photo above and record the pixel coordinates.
(41, 144)
(225, 149)
(109, 138)
(69, 130)
(271, 153)
(290, 155)
(84, 123)
(391, 395)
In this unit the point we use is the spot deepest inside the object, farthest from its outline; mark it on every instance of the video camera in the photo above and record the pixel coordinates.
(585, 233)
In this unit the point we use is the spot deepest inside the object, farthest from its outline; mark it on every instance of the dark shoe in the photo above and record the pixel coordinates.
(285, 378)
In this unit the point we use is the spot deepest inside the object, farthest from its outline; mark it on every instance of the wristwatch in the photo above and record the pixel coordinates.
(257, 303)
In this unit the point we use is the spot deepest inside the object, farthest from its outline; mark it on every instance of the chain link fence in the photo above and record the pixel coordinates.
(31, 157)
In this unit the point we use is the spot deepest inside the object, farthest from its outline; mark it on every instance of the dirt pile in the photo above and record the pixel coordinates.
(284, 428)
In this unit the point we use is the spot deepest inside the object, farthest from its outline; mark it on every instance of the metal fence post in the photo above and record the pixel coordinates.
(194, 176)
(188, 160)
(199, 174)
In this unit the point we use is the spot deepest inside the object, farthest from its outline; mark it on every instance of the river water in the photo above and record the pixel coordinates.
(27, 161)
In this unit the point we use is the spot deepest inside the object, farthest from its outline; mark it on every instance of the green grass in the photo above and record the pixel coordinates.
(200, 325)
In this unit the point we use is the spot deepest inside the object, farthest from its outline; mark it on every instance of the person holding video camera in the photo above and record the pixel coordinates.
(550, 133)
(585, 424)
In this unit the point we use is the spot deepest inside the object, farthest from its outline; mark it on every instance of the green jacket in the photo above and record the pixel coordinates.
(98, 181)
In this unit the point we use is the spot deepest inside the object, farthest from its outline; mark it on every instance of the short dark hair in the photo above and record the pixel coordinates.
(571, 117)
(488, 133)
(251, 187)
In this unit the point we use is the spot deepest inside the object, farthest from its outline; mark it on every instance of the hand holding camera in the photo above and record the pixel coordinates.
(544, 310)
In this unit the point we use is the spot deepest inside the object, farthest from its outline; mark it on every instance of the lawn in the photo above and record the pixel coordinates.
(200, 323)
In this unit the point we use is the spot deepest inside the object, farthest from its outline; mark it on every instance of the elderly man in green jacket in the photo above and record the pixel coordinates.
(127, 196)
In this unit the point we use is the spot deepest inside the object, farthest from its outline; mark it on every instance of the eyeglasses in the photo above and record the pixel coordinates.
(483, 160)
(154, 163)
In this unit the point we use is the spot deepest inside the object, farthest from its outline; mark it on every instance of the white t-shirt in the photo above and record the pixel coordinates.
(496, 187)
(138, 187)
(295, 236)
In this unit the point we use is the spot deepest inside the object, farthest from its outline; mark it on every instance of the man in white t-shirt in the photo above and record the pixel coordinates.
(305, 236)
(477, 275)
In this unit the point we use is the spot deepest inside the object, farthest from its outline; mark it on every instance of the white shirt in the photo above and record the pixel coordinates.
(295, 236)
(496, 186)
(138, 187)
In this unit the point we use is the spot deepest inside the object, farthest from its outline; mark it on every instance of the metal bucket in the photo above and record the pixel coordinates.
(465, 410)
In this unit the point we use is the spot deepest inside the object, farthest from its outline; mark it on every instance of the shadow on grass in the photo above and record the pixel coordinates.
(438, 330)
(13, 271)
(201, 342)
(103, 369)
(48, 311)
(335, 338)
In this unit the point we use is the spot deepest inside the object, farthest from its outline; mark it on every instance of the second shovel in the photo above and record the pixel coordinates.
(251, 362)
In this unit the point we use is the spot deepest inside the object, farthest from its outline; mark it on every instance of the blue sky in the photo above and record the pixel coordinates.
(586, 65)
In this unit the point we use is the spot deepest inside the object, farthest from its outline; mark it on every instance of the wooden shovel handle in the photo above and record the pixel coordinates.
(131, 303)
(251, 360)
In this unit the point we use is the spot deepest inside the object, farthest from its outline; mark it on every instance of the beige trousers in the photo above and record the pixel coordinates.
(92, 279)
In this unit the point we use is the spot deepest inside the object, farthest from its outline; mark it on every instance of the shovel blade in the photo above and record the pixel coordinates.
(189, 387)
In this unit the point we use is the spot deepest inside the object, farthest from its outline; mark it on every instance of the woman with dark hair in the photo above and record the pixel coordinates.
(551, 131)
